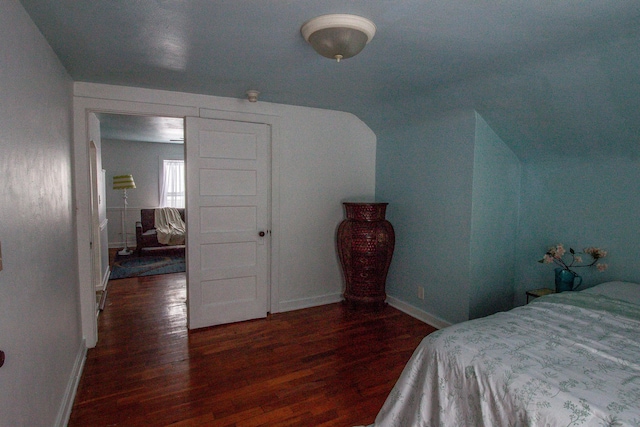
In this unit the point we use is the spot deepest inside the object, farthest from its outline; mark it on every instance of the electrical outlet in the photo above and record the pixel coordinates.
(420, 292)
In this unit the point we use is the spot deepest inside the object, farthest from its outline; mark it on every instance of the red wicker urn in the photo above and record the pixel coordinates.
(365, 246)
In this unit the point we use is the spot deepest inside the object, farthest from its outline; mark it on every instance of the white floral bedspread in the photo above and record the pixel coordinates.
(569, 359)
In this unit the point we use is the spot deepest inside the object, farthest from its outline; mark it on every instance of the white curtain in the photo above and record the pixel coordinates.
(172, 184)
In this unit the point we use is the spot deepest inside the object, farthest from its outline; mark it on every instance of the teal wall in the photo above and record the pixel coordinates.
(424, 169)
(472, 219)
(494, 222)
(579, 202)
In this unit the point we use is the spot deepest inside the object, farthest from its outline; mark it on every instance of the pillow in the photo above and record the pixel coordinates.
(626, 291)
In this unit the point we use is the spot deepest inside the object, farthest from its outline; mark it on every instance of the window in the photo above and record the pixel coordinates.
(172, 184)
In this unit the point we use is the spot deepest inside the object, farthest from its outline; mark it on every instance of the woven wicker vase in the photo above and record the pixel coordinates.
(365, 246)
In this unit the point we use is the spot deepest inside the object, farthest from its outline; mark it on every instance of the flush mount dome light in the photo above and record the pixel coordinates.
(338, 36)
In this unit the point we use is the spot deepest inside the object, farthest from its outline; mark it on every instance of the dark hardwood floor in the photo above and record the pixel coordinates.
(322, 366)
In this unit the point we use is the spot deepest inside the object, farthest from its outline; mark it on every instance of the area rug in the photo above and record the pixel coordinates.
(135, 266)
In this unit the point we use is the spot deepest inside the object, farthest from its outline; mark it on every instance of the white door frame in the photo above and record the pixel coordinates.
(96, 247)
(82, 107)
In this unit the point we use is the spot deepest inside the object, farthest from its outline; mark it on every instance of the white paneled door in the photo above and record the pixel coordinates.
(228, 182)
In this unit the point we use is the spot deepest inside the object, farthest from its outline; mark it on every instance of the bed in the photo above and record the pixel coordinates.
(569, 359)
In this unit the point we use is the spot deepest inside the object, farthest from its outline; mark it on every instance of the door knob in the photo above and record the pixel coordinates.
(261, 234)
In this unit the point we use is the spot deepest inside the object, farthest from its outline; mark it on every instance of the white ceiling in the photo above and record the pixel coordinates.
(549, 76)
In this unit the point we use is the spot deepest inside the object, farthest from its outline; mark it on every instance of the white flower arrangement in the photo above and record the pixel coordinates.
(555, 255)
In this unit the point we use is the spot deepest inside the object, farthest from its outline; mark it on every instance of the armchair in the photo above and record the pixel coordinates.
(146, 237)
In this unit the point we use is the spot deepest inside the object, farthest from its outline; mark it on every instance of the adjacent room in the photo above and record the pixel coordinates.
(499, 134)
(151, 151)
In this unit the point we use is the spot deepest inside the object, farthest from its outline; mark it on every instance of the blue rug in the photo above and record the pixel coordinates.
(134, 266)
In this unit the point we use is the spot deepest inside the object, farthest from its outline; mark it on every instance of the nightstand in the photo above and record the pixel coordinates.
(535, 293)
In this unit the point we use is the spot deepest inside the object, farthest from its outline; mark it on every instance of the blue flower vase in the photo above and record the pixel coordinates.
(566, 280)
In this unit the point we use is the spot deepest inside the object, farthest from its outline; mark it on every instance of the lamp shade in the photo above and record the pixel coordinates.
(338, 36)
(123, 182)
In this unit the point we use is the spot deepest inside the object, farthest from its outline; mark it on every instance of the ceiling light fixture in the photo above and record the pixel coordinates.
(338, 36)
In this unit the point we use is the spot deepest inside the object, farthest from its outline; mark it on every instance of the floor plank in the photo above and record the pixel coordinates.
(324, 366)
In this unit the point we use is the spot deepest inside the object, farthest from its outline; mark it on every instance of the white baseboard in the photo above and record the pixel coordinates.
(120, 245)
(72, 387)
(105, 280)
(309, 302)
(412, 311)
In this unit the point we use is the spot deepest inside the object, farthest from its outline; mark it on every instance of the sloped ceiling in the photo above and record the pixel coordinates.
(552, 77)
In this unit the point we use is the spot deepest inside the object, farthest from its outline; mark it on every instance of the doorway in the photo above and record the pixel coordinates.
(83, 108)
(134, 146)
